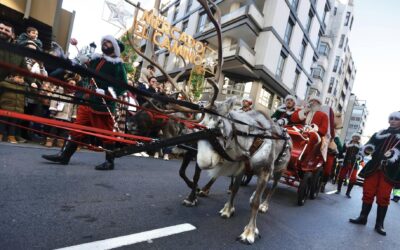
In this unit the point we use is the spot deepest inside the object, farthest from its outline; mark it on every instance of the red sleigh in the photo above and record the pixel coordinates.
(306, 176)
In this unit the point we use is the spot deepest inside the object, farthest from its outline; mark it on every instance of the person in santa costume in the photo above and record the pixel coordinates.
(100, 113)
(381, 173)
(247, 103)
(284, 112)
(350, 166)
(316, 123)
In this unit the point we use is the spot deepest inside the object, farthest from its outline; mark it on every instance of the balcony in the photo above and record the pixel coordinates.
(239, 59)
(243, 23)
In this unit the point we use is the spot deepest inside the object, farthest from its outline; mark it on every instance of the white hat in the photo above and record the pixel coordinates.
(248, 99)
(291, 98)
(395, 115)
(356, 135)
(315, 98)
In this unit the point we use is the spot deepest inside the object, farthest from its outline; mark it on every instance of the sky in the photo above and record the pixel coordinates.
(374, 42)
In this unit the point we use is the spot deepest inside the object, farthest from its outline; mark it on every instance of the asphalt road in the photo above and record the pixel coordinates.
(48, 206)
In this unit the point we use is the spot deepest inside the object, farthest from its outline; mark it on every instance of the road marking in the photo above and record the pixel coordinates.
(331, 192)
(132, 238)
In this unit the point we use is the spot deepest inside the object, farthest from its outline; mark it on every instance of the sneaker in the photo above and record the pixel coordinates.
(12, 139)
(144, 154)
(20, 139)
(166, 157)
(156, 155)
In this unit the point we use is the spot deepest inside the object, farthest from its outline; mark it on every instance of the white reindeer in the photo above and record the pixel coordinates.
(270, 159)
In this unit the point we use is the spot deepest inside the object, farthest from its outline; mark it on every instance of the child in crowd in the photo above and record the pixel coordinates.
(32, 35)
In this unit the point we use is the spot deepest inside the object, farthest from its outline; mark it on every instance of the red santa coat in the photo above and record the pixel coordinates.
(318, 118)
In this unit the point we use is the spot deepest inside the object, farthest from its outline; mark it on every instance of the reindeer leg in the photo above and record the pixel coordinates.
(206, 189)
(191, 200)
(250, 231)
(269, 192)
(228, 210)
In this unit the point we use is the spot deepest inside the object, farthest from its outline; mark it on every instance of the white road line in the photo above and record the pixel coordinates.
(132, 238)
(331, 192)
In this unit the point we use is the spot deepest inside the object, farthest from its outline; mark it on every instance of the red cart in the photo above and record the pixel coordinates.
(306, 176)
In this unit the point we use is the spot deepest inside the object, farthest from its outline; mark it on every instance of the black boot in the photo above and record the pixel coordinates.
(362, 219)
(323, 184)
(395, 199)
(349, 190)
(109, 163)
(339, 186)
(380, 217)
(64, 155)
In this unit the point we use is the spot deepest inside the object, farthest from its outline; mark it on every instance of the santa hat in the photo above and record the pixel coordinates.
(291, 98)
(395, 115)
(315, 98)
(248, 99)
(118, 45)
(356, 135)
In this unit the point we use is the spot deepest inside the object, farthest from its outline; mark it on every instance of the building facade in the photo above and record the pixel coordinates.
(355, 121)
(334, 72)
(269, 47)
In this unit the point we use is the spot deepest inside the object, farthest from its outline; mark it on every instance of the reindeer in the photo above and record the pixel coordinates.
(269, 160)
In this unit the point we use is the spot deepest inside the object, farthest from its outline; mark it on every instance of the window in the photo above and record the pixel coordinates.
(320, 34)
(265, 98)
(341, 41)
(303, 50)
(176, 11)
(202, 22)
(189, 5)
(336, 65)
(309, 21)
(351, 22)
(294, 4)
(323, 49)
(288, 32)
(331, 82)
(335, 11)
(318, 72)
(281, 65)
(346, 22)
(296, 80)
(185, 25)
(325, 13)
(326, 101)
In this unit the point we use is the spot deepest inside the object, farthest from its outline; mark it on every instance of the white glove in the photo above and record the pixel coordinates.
(281, 122)
(100, 91)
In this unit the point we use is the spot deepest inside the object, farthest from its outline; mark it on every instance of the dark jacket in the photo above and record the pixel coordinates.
(10, 100)
(385, 156)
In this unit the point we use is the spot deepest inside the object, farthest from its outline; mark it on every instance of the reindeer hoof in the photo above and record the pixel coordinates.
(227, 212)
(204, 193)
(188, 203)
(263, 208)
(248, 236)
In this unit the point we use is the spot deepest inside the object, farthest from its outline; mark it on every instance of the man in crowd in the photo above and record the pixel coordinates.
(99, 114)
(284, 112)
(381, 172)
(350, 166)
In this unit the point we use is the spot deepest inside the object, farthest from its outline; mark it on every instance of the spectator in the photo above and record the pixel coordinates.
(31, 35)
(14, 102)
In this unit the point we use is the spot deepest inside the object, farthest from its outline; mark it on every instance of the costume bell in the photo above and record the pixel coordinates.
(381, 172)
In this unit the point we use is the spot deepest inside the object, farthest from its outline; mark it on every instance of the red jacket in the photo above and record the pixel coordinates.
(320, 119)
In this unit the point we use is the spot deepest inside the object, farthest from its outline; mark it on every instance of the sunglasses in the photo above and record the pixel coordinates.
(394, 119)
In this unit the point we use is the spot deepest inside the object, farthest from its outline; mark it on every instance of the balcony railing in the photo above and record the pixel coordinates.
(251, 10)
